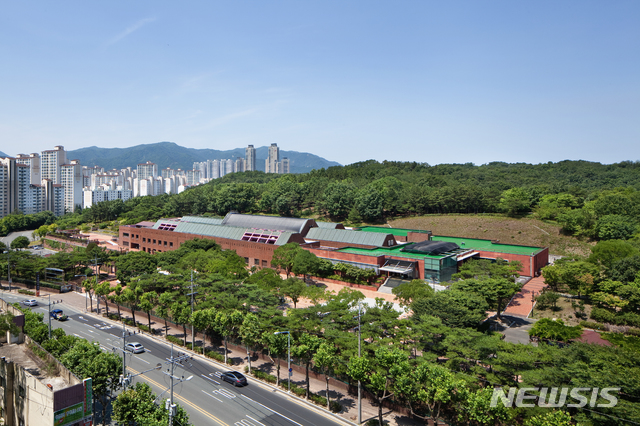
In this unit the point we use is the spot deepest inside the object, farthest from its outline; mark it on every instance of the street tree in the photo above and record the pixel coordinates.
(325, 359)
(379, 373)
(250, 333)
(305, 348)
(283, 257)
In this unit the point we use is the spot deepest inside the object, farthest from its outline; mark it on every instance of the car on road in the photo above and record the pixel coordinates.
(134, 347)
(234, 377)
(59, 315)
(30, 302)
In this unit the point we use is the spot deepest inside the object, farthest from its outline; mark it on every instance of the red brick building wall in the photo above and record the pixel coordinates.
(156, 240)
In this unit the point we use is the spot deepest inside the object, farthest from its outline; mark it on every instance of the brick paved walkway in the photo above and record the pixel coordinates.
(522, 303)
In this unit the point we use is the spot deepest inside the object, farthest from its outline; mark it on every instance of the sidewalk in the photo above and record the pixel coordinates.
(78, 301)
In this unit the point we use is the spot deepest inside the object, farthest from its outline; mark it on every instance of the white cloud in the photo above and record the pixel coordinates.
(129, 30)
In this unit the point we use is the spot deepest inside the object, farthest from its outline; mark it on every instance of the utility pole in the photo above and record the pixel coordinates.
(49, 316)
(9, 267)
(169, 405)
(193, 329)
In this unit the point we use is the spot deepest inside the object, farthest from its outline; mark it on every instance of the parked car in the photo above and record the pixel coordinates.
(30, 302)
(134, 347)
(234, 377)
(59, 315)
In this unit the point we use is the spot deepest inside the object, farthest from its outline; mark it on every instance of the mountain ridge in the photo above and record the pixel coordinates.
(172, 155)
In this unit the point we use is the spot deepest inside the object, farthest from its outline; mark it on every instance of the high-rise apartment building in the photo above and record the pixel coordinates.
(240, 165)
(250, 159)
(271, 163)
(71, 180)
(50, 162)
(283, 166)
(146, 170)
(33, 161)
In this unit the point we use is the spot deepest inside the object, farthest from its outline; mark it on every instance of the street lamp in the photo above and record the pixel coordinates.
(288, 357)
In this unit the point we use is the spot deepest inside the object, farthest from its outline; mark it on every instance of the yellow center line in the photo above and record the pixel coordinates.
(189, 403)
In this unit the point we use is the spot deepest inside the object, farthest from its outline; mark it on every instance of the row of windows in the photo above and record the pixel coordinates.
(145, 240)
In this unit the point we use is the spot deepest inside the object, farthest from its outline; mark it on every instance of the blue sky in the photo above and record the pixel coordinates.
(426, 81)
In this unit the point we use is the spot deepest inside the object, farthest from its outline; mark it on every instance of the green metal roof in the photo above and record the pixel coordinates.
(229, 232)
(400, 232)
(390, 251)
(200, 219)
(327, 225)
(487, 245)
(347, 236)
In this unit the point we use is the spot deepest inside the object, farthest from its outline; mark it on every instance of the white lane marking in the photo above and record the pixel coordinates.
(273, 411)
(84, 333)
(244, 422)
(225, 393)
(212, 396)
(217, 383)
(217, 374)
(254, 420)
(77, 335)
(140, 359)
(103, 348)
(82, 318)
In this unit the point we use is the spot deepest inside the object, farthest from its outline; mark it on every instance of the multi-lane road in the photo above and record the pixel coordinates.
(207, 399)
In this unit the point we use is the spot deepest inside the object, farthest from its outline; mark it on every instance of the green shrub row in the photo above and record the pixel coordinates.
(144, 328)
(175, 340)
(298, 390)
(27, 292)
(617, 318)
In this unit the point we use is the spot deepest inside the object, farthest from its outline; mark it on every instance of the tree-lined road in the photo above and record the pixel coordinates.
(206, 398)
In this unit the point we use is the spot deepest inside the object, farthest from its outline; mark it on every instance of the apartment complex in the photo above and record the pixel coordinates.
(19, 193)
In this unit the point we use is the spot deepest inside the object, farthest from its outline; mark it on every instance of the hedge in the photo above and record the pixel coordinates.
(617, 318)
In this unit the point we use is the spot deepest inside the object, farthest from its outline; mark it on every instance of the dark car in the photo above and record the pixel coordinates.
(234, 377)
(58, 314)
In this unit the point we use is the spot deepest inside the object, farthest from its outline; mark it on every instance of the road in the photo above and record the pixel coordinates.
(205, 397)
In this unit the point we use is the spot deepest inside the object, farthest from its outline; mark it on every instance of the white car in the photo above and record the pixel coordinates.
(30, 302)
(134, 347)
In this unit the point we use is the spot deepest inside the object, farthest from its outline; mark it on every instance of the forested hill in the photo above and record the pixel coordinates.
(169, 154)
(587, 199)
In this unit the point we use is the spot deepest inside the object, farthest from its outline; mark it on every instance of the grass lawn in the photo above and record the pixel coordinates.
(525, 231)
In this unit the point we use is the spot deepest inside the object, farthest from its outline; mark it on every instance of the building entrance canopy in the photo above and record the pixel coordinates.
(398, 266)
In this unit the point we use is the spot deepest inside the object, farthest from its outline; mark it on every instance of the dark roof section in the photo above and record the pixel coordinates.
(430, 247)
(290, 224)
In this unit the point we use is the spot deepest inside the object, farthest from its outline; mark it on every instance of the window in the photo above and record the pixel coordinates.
(125, 234)
(165, 243)
(256, 261)
(170, 244)
(21, 392)
(154, 241)
(144, 240)
(246, 260)
(264, 263)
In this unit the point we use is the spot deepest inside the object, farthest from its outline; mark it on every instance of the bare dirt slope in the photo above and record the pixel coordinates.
(526, 231)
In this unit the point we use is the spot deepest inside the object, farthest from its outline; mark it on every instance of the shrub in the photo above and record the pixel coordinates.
(175, 340)
(114, 317)
(144, 328)
(27, 292)
(215, 355)
(128, 321)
